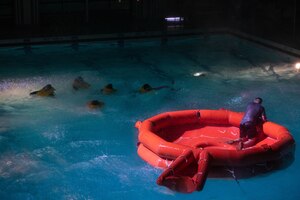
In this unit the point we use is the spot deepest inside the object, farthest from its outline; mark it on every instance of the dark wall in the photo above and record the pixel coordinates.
(6, 14)
(277, 20)
(61, 17)
(272, 19)
(264, 15)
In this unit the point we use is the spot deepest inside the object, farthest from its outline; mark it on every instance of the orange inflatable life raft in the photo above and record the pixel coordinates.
(186, 143)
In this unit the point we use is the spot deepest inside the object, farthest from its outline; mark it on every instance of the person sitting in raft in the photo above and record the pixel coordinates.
(254, 116)
(108, 89)
(95, 104)
(79, 83)
(147, 88)
(47, 91)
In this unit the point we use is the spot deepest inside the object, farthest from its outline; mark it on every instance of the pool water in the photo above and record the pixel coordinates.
(56, 148)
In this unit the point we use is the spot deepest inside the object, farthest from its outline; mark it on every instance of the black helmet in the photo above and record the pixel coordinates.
(258, 100)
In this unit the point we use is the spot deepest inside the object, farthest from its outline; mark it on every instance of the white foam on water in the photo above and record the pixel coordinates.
(15, 165)
(55, 133)
(93, 143)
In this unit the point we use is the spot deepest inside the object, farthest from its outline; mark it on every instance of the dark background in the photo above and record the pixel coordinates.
(276, 20)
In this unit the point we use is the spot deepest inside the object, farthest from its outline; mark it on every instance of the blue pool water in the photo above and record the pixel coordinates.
(55, 148)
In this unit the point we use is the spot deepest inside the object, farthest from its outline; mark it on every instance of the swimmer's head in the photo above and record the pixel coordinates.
(79, 83)
(48, 87)
(79, 78)
(145, 88)
(95, 104)
(258, 100)
(108, 89)
(109, 86)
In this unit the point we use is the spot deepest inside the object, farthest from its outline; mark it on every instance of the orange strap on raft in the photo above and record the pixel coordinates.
(187, 173)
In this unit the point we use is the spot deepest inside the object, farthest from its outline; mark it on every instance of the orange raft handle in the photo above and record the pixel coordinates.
(138, 124)
(203, 166)
(187, 173)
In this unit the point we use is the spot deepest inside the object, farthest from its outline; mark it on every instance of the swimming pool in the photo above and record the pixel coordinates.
(55, 148)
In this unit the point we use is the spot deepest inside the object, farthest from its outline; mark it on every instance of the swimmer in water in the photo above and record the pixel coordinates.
(147, 88)
(108, 89)
(95, 104)
(79, 83)
(47, 91)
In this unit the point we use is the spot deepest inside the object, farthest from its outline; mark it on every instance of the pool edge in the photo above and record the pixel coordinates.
(151, 34)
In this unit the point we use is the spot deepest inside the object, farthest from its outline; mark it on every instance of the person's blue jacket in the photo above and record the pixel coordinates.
(255, 113)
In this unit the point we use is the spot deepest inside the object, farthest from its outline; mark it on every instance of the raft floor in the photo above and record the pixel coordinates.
(203, 136)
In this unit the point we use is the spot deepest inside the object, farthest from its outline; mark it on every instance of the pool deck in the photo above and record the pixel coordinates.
(142, 35)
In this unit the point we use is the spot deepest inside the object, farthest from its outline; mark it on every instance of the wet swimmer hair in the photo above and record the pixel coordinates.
(108, 89)
(80, 83)
(79, 78)
(145, 88)
(258, 100)
(109, 86)
(48, 87)
(95, 104)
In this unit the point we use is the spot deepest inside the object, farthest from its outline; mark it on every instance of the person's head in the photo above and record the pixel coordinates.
(95, 104)
(258, 100)
(79, 78)
(48, 87)
(108, 89)
(109, 86)
(145, 88)
(79, 83)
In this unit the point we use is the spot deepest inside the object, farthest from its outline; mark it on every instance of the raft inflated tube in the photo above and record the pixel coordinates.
(177, 178)
(152, 158)
(153, 138)
(203, 168)
(167, 140)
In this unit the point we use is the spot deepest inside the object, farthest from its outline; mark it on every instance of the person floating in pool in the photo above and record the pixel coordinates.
(254, 116)
(108, 89)
(79, 83)
(47, 91)
(147, 88)
(95, 104)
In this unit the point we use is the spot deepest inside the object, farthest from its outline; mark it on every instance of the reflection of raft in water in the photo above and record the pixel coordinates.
(187, 143)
